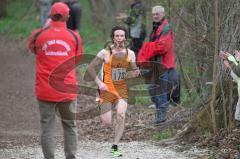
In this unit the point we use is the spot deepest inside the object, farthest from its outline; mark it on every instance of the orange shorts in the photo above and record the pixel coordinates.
(111, 96)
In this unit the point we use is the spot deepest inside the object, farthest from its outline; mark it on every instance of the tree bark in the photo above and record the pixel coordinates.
(3, 8)
(216, 39)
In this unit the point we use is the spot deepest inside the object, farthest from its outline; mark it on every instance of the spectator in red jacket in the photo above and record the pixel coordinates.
(57, 51)
(159, 51)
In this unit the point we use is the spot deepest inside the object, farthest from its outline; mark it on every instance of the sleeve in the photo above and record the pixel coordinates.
(31, 41)
(232, 59)
(79, 52)
(234, 65)
(143, 56)
(132, 56)
(161, 46)
(133, 60)
(142, 53)
(101, 54)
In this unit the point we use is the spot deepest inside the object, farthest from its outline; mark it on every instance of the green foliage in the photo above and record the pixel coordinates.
(206, 133)
(143, 100)
(21, 19)
(93, 40)
(165, 134)
(190, 98)
(24, 17)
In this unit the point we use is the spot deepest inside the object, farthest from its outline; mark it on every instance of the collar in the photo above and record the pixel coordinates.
(156, 24)
(59, 24)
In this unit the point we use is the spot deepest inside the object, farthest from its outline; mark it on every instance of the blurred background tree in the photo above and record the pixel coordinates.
(3, 8)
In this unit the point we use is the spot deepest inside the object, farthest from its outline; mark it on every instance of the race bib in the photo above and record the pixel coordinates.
(118, 74)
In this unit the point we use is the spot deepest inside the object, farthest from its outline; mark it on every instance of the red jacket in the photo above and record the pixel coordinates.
(57, 52)
(162, 44)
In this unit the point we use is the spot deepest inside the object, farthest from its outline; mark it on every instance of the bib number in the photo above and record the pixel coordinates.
(118, 74)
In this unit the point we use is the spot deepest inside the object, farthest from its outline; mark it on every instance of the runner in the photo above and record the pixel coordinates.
(115, 60)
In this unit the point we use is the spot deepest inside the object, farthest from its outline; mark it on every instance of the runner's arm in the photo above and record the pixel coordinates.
(136, 71)
(96, 63)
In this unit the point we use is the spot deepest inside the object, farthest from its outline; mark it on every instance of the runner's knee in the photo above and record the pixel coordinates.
(121, 116)
(107, 123)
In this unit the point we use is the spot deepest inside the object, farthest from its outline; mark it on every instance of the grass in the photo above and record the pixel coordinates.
(21, 19)
(165, 134)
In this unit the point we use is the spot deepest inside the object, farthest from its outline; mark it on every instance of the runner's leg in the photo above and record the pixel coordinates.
(121, 107)
(106, 114)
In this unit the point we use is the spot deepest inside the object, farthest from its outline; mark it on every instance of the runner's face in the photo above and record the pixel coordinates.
(119, 37)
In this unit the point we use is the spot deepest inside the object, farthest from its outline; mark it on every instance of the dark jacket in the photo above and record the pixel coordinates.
(73, 22)
(136, 20)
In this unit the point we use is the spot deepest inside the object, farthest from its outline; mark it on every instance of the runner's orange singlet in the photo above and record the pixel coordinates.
(114, 75)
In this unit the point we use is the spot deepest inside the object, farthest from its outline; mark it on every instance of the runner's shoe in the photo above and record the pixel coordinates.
(116, 152)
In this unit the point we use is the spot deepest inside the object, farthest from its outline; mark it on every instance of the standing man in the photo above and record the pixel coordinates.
(115, 59)
(160, 52)
(136, 24)
(56, 47)
(75, 14)
(74, 20)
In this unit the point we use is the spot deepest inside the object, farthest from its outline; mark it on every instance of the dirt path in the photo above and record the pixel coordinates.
(19, 127)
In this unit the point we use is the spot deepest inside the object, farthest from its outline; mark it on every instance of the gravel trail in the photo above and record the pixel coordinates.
(98, 150)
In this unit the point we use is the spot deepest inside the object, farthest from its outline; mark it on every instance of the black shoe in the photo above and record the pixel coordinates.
(158, 122)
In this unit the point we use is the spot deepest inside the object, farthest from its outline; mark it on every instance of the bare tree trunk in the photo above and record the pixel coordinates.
(3, 8)
(230, 122)
(224, 106)
(212, 104)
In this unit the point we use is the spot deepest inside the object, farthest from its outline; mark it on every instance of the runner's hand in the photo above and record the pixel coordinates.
(102, 86)
(133, 74)
(136, 73)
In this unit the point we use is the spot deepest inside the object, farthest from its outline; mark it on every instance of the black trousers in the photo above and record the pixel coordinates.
(136, 45)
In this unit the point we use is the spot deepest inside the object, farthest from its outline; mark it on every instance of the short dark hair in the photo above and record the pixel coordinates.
(57, 17)
(119, 28)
